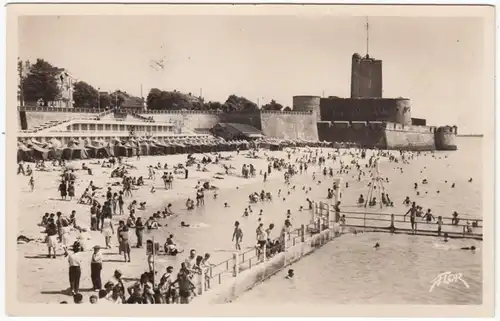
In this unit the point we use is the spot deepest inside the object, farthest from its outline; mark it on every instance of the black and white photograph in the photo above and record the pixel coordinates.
(251, 158)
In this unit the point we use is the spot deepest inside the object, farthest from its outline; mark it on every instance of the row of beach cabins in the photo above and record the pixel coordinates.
(32, 150)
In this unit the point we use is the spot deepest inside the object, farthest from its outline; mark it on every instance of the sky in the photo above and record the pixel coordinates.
(436, 62)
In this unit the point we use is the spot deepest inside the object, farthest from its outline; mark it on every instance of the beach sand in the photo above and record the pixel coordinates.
(44, 280)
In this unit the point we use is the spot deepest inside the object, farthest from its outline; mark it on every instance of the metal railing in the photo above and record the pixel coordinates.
(392, 222)
(254, 256)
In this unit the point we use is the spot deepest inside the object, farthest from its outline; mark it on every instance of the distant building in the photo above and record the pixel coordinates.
(65, 84)
(366, 77)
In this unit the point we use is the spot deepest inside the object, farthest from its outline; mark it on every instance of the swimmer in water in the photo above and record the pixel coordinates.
(183, 224)
(377, 245)
(445, 237)
(290, 274)
(469, 248)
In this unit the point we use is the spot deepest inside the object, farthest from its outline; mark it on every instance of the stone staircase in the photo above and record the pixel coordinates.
(54, 123)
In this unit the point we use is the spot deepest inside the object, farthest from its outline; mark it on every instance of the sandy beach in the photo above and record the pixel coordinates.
(46, 280)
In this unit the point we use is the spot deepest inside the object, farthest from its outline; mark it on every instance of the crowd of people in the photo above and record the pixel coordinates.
(193, 274)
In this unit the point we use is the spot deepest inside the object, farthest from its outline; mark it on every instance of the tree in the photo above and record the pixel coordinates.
(272, 105)
(153, 100)
(84, 95)
(239, 104)
(287, 109)
(172, 100)
(41, 82)
(212, 105)
(105, 100)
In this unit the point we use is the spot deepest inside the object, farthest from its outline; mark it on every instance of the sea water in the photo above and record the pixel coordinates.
(350, 270)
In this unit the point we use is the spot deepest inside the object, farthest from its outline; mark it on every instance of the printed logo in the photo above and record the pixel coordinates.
(447, 278)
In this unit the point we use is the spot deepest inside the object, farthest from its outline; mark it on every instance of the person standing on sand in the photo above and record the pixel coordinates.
(75, 272)
(124, 243)
(96, 268)
(237, 235)
(107, 230)
(62, 190)
(31, 183)
(71, 190)
(139, 232)
(121, 202)
(185, 287)
(51, 231)
(121, 225)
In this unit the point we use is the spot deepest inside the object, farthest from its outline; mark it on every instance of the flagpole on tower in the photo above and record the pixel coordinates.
(367, 36)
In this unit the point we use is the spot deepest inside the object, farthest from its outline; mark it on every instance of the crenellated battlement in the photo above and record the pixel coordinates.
(155, 112)
(447, 129)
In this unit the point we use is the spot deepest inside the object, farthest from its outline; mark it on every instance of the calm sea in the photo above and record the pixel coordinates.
(350, 271)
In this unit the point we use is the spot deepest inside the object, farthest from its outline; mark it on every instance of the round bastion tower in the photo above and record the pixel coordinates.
(307, 104)
(403, 111)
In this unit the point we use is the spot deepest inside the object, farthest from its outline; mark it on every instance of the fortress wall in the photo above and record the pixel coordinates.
(380, 135)
(398, 136)
(290, 125)
(252, 119)
(397, 110)
(359, 133)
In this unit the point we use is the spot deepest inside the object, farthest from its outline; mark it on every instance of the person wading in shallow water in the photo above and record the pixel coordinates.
(413, 214)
